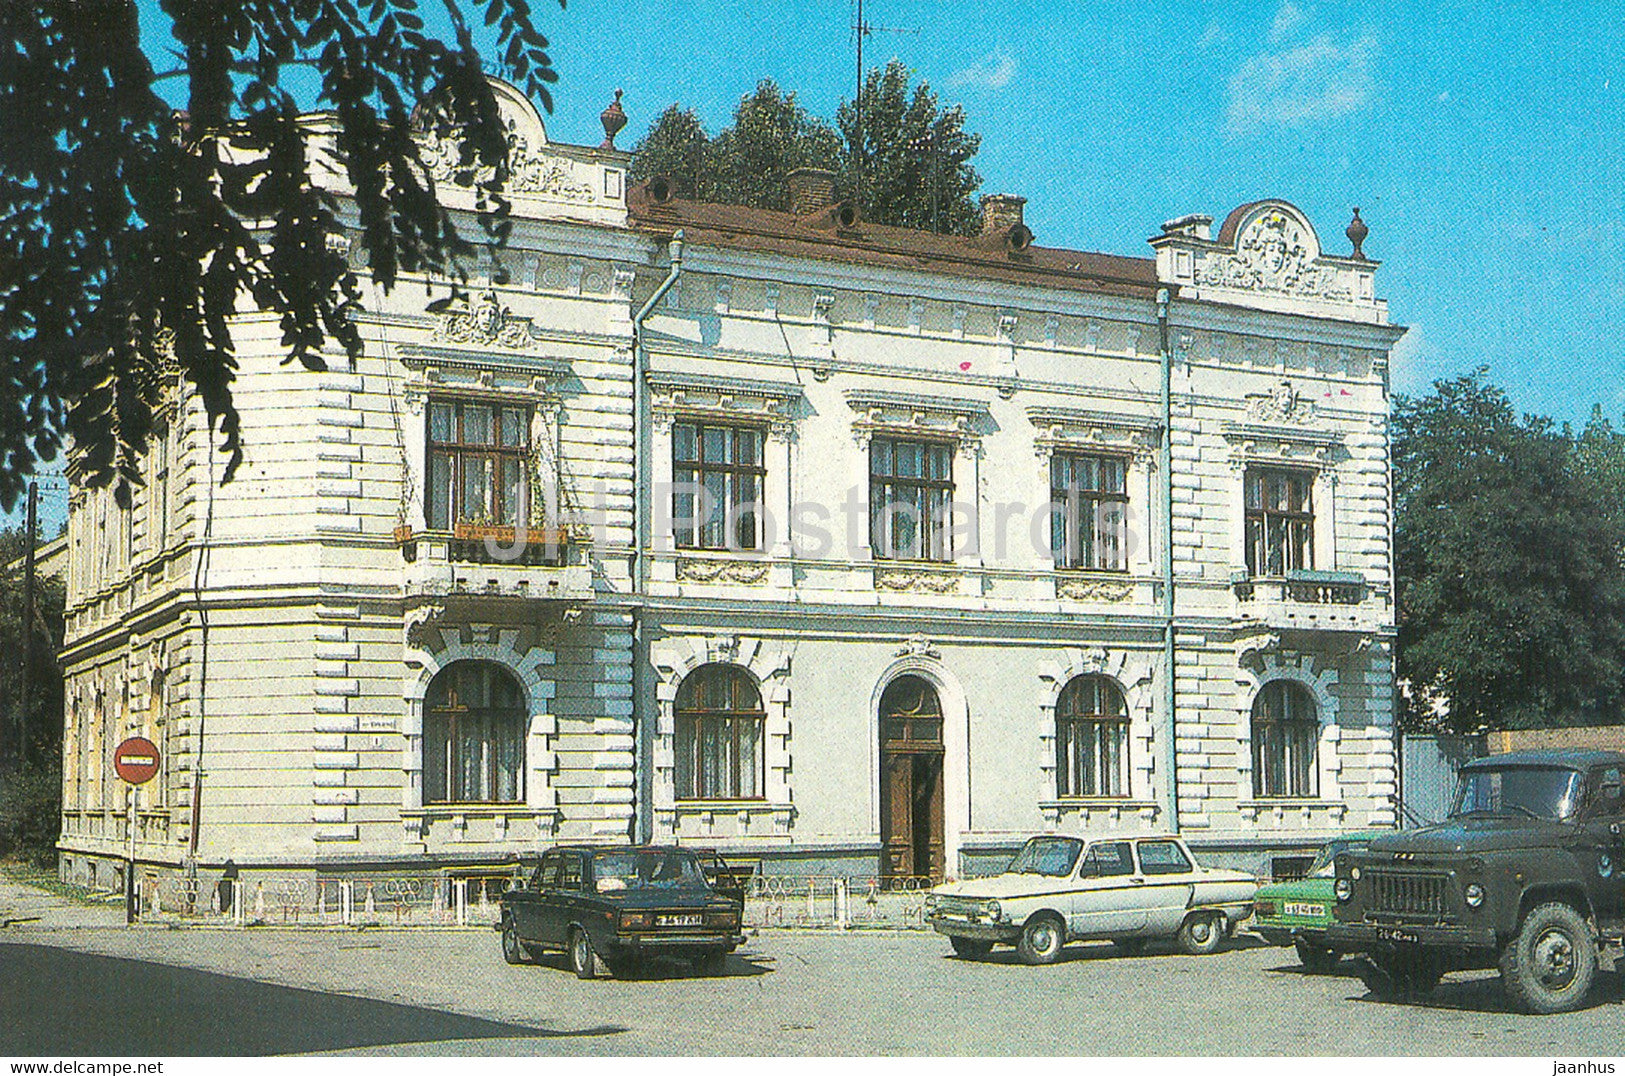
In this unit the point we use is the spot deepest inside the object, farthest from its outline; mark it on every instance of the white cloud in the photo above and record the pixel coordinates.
(992, 72)
(1415, 364)
(1287, 20)
(1302, 84)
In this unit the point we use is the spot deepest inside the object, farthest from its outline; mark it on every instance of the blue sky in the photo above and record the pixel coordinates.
(1481, 142)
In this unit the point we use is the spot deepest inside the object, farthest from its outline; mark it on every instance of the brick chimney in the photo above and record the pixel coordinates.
(811, 189)
(1000, 213)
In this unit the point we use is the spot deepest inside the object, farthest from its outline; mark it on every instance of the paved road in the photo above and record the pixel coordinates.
(79, 990)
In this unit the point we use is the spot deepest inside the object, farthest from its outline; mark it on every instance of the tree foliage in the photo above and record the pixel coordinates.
(914, 156)
(1507, 543)
(749, 162)
(915, 173)
(40, 715)
(132, 232)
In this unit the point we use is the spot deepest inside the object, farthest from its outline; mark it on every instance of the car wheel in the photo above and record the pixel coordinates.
(1130, 946)
(1201, 933)
(1041, 940)
(1316, 958)
(1401, 976)
(970, 948)
(1549, 965)
(513, 950)
(583, 959)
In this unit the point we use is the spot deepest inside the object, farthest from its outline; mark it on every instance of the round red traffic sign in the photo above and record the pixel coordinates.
(136, 760)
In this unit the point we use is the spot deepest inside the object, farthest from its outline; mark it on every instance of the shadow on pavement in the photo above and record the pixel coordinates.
(56, 1001)
(660, 968)
(1077, 952)
(1484, 994)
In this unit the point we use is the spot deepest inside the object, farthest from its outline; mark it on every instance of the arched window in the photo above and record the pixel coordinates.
(474, 735)
(719, 735)
(1091, 739)
(1286, 731)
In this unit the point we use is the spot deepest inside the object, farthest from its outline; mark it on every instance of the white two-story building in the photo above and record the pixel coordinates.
(849, 548)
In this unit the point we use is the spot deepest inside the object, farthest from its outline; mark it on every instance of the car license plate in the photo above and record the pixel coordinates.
(1402, 936)
(677, 920)
(1309, 911)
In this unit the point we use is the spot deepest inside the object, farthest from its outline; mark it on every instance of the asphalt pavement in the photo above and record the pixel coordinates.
(100, 988)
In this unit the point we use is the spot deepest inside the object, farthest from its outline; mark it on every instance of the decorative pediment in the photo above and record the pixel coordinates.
(533, 167)
(1280, 428)
(910, 414)
(1268, 254)
(733, 399)
(1061, 428)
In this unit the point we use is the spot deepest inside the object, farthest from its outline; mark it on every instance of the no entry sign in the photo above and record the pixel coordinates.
(136, 760)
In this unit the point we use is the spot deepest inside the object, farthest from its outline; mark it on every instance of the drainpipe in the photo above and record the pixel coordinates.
(1166, 453)
(642, 820)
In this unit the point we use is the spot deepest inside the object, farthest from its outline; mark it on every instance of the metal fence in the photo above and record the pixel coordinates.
(774, 901)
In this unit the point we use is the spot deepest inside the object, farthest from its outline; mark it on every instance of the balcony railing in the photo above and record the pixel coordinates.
(1302, 585)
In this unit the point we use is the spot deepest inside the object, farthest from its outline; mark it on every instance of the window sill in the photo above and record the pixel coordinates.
(1304, 807)
(1113, 807)
(692, 806)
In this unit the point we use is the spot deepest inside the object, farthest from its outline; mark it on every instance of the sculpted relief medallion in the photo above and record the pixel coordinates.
(1273, 253)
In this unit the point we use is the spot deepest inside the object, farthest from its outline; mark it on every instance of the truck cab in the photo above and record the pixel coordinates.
(1525, 875)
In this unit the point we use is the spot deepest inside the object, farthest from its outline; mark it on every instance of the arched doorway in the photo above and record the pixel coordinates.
(911, 800)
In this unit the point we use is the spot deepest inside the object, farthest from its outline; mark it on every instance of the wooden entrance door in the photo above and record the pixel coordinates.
(911, 803)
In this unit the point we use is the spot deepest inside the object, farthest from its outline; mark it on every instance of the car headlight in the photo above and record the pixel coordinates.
(1474, 895)
(992, 910)
(1344, 889)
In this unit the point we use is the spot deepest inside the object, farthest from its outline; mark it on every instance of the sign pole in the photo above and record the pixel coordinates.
(129, 870)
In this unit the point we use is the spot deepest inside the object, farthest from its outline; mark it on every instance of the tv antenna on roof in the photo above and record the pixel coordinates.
(862, 30)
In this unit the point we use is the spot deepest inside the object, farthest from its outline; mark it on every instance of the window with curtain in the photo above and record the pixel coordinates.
(477, 455)
(911, 492)
(1286, 735)
(717, 474)
(1090, 495)
(1280, 521)
(1091, 739)
(719, 735)
(474, 720)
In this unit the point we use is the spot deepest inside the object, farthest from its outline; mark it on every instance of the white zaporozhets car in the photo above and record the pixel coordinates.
(1059, 889)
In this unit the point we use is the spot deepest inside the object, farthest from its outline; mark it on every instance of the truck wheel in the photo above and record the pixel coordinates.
(1316, 958)
(1549, 965)
(970, 948)
(1401, 976)
(1041, 940)
(1201, 933)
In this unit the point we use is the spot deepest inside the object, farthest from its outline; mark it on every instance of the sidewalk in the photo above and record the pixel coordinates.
(24, 907)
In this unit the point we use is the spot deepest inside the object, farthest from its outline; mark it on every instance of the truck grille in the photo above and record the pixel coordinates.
(1407, 894)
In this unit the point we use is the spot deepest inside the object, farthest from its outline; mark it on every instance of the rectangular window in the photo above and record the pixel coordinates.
(911, 492)
(477, 457)
(1091, 756)
(717, 473)
(1109, 859)
(1090, 509)
(1280, 521)
(1163, 857)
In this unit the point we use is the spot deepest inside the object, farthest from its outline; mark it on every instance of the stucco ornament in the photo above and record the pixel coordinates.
(1281, 406)
(484, 320)
(530, 171)
(1275, 253)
